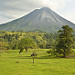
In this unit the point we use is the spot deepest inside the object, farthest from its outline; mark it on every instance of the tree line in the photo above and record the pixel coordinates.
(61, 42)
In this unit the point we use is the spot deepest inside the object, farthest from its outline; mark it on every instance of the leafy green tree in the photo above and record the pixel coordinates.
(14, 44)
(26, 43)
(64, 41)
(8, 37)
(73, 40)
(3, 45)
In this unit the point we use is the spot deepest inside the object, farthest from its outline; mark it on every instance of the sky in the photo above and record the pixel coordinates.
(13, 9)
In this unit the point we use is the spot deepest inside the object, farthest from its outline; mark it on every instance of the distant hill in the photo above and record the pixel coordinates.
(43, 19)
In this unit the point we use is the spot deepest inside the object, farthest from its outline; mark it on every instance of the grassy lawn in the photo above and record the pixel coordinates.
(11, 63)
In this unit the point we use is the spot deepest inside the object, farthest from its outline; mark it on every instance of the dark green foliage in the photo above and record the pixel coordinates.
(8, 37)
(34, 54)
(64, 41)
(42, 40)
(73, 40)
(26, 43)
(51, 39)
(3, 45)
(49, 51)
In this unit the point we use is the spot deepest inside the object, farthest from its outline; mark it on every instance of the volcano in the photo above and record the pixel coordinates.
(44, 19)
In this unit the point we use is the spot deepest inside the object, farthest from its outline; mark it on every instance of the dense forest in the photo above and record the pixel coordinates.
(10, 39)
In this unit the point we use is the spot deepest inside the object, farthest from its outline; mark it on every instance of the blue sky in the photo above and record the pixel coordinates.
(13, 9)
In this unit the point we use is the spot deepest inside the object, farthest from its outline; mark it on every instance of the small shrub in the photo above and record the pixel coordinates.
(33, 54)
(49, 51)
(17, 61)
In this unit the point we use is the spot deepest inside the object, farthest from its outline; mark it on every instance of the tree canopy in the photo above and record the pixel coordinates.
(26, 43)
(64, 41)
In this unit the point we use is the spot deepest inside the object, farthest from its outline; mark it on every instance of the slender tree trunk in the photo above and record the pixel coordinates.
(64, 56)
(26, 49)
(33, 59)
(20, 51)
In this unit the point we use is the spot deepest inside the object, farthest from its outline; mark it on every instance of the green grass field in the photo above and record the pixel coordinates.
(11, 63)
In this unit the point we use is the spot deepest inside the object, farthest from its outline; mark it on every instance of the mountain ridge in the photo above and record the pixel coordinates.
(43, 19)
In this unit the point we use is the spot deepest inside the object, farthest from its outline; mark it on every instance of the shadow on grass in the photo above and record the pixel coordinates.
(37, 57)
(40, 57)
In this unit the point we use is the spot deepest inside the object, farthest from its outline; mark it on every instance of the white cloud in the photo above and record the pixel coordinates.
(70, 15)
(55, 4)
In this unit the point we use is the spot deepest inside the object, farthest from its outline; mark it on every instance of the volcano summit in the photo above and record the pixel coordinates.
(43, 19)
